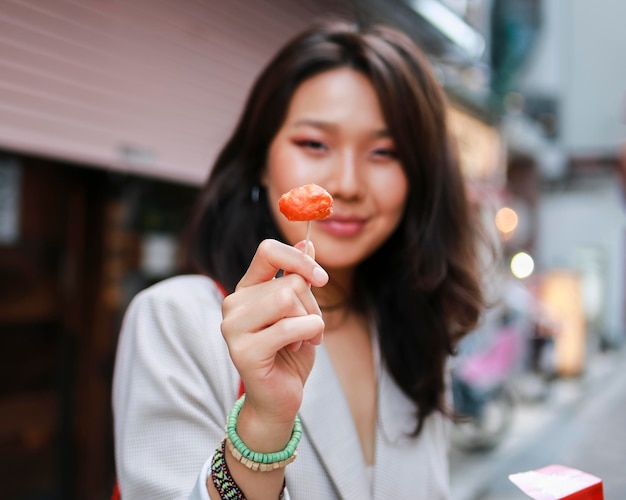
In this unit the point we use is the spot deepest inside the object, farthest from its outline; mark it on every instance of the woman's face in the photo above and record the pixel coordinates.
(334, 135)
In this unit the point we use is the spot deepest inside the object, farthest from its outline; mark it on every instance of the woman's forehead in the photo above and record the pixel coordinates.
(335, 97)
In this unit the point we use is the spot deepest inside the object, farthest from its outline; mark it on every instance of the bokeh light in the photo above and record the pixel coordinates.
(522, 265)
(506, 220)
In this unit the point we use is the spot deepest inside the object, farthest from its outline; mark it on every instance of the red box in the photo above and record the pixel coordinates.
(558, 482)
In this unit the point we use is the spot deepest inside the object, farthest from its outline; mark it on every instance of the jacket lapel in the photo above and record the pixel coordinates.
(408, 467)
(396, 413)
(324, 414)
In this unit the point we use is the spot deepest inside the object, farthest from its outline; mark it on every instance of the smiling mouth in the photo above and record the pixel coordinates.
(343, 226)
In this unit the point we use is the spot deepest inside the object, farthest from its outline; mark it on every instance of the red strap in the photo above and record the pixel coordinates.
(116, 492)
(242, 389)
(221, 288)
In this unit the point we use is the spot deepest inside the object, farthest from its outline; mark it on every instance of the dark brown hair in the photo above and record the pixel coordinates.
(423, 283)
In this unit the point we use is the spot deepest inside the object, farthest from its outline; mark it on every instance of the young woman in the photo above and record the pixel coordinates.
(342, 352)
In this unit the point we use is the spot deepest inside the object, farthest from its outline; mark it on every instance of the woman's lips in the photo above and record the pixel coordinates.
(343, 226)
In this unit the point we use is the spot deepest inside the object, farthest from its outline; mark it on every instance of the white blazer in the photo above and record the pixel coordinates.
(174, 384)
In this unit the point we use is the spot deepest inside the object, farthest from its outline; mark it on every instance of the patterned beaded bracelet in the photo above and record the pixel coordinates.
(223, 481)
(260, 461)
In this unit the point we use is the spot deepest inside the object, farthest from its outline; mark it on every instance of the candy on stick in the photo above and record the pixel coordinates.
(306, 203)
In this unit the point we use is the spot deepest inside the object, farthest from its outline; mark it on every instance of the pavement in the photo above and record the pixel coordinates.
(582, 424)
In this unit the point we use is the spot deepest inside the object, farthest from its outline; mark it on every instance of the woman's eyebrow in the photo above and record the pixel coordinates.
(309, 122)
(328, 126)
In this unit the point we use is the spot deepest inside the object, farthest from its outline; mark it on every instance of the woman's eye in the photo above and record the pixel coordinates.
(313, 145)
(385, 153)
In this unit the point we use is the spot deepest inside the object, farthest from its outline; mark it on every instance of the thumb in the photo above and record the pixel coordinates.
(301, 245)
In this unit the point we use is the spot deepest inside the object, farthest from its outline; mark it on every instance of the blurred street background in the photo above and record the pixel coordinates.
(111, 113)
(581, 425)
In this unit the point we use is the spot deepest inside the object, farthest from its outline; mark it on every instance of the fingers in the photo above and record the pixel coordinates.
(254, 308)
(271, 256)
(286, 332)
(265, 315)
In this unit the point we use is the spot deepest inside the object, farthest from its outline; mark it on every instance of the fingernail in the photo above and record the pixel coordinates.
(319, 275)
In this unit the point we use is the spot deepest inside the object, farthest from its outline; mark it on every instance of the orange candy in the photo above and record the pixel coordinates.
(304, 203)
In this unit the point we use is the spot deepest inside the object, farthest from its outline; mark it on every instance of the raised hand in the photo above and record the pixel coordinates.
(271, 326)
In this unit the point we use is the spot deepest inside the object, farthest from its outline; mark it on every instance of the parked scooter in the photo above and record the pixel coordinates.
(482, 389)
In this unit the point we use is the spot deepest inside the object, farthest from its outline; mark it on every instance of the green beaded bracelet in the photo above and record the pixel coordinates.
(255, 460)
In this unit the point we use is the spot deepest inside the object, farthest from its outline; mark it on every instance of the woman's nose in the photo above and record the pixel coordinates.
(346, 179)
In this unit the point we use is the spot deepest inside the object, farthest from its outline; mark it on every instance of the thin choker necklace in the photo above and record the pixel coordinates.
(342, 303)
(333, 307)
